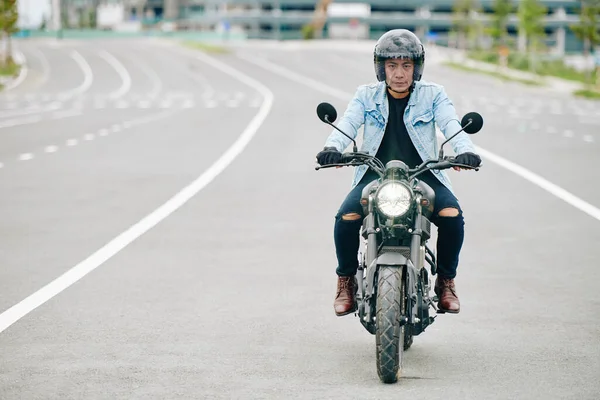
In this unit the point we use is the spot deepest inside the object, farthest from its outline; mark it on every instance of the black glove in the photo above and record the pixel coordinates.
(329, 155)
(470, 159)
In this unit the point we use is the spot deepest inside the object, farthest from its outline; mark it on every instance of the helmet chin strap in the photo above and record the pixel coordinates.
(409, 90)
(395, 91)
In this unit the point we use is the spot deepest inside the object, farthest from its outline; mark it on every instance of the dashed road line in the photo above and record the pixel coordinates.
(25, 157)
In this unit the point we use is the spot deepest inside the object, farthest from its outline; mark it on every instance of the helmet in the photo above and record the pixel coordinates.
(399, 43)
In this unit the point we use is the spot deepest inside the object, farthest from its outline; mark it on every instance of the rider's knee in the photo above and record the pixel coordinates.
(351, 217)
(449, 212)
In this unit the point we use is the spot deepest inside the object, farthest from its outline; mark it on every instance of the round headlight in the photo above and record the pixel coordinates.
(393, 199)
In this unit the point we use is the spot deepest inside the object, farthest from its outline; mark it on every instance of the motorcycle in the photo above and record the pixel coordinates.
(393, 296)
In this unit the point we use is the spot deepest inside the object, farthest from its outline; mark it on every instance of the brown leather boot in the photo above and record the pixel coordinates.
(446, 293)
(345, 300)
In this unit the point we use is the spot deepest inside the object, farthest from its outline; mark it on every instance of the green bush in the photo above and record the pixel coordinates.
(545, 67)
(308, 32)
(10, 69)
(590, 94)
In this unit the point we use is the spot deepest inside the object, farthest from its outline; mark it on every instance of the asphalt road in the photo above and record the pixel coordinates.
(227, 290)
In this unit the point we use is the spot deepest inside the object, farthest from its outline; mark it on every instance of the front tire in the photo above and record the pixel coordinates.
(389, 335)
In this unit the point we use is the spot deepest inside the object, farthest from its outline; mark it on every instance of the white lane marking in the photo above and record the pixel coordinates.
(34, 109)
(17, 113)
(588, 138)
(568, 134)
(45, 65)
(19, 310)
(71, 142)
(25, 157)
(116, 128)
(19, 58)
(1, 165)
(123, 73)
(67, 113)
(51, 149)
(188, 104)
(156, 81)
(89, 136)
(88, 77)
(509, 165)
(103, 132)
(22, 121)
(543, 183)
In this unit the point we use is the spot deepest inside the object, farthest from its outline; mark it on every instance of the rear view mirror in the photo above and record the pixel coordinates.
(472, 122)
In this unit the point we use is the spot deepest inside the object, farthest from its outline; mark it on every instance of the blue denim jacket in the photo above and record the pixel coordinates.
(428, 105)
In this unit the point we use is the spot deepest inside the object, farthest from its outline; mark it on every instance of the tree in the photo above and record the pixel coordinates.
(588, 29)
(9, 15)
(531, 14)
(467, 27)
(499, 21)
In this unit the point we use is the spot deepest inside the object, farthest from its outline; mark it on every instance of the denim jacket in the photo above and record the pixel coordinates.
(428, 105)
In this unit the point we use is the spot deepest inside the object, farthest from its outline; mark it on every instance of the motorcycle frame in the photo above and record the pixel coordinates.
(417, 291)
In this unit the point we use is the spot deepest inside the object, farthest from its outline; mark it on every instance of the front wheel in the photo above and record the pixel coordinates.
(389, 335)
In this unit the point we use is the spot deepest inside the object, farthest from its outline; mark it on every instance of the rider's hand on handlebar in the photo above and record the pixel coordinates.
(329, 155)
(470, 159)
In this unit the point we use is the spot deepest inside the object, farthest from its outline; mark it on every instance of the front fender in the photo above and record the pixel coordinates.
(391, 258)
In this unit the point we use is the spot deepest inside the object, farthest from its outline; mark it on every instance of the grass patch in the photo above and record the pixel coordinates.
(206, 47)
(10, 69)
(544, 67)
(588, 93)
(494, 74)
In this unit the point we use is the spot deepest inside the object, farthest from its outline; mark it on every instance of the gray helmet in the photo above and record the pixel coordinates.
(399, 43)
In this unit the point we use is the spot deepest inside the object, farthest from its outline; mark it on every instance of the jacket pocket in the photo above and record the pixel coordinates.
(425, 118)
(374, 118)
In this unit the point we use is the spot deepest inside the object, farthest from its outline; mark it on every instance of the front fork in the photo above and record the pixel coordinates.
(418, 283)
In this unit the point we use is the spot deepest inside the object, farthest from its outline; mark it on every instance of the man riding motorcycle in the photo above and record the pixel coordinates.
(399, 114)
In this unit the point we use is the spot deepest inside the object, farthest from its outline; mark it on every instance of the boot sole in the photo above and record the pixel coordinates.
(444, 311)
(347, 312)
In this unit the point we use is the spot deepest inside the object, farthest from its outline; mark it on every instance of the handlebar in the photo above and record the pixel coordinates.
(356, 159)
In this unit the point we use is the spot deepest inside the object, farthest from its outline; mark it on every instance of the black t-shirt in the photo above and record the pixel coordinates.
(396, 144)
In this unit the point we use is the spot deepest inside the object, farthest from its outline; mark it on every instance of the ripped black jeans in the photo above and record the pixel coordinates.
(450, 230)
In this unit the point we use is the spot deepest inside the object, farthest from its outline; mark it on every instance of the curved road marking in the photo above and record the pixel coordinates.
(537, 180)
(45, 65)
(156, 81)
(88, 77)
(123, 73)
(21, 309)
